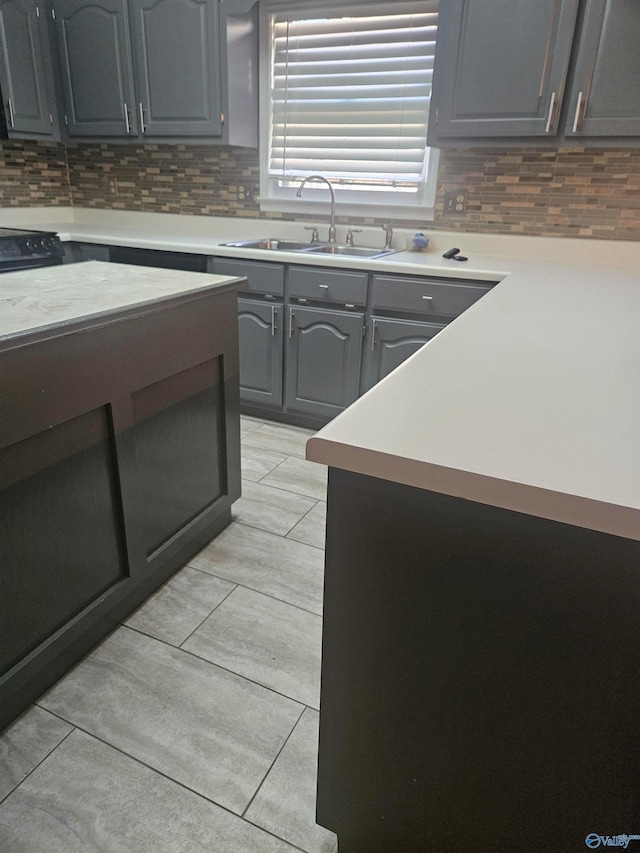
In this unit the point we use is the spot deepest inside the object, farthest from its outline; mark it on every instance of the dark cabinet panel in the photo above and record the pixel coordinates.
(97, 75)
(605, 97)
(390, 343)
(267, 279)
(501, 68)
(61, 532)
(178, 66)
(261, 351)
(323, 360)
(28, 103)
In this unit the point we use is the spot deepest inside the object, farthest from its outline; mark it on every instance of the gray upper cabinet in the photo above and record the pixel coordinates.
(323, 360)
(95, 58)
(500, 67)
(178, 66)
(24, 77)
(605, 97)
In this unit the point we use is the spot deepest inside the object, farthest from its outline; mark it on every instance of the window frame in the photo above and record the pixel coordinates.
(349, 202)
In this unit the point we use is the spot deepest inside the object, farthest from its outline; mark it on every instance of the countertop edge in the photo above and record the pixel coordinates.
(570, 509)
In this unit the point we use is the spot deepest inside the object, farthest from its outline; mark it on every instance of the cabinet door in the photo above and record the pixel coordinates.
(97, 76)
(500, 67)
(390, 343)
(261, 351)
(605, 98)
(22, 73)
(178, 66)
(323, 360)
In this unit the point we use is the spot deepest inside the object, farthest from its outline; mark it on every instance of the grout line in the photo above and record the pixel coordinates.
(287, 739)
(208, 614)
(282, 535)
(223, 668)
(52, 750)
(182, 785)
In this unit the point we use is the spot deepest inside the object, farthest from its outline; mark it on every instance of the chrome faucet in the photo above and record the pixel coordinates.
(389, 232)
(332, 226)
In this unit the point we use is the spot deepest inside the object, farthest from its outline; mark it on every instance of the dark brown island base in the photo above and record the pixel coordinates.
(119, 457)
(480, 677)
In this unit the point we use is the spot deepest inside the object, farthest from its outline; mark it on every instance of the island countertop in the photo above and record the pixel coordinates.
(34, 301)
(529, 401)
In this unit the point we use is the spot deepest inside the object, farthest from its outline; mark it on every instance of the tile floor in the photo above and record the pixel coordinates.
(193, 727)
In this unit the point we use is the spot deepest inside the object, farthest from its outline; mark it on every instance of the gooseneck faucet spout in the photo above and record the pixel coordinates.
(332, 226)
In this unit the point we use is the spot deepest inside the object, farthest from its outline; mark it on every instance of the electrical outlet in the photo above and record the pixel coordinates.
(455, 202)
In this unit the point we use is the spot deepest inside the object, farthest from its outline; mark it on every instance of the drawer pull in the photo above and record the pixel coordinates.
(323, 286)
(428, 298)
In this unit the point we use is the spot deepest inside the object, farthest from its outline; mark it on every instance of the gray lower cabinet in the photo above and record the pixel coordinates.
(605, 97)
(390, 342)
(97, 75)
(500, 68)
(177, 66)
(24, 77)
(261, 351)
(323, 360)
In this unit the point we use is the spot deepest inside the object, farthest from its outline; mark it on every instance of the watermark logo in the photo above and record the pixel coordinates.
(594, 840)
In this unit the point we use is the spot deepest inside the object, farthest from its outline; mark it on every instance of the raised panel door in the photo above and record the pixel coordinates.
(500, 68)
(22, 73)
(323, 360)
(390, 343)
(178, 66)
(261, 351)
(95, 58)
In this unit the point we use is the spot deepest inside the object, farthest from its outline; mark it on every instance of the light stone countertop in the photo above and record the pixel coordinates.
(61, 296)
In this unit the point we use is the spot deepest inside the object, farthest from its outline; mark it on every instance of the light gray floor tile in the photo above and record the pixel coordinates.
(25, 744)
(311, 529)
(266, 640)
(89, 798)
(177, 609)
(286, 802)
(257, 463)
(280, 438)
(248, 425)
(300, 476)
(267, 563)
(270, 509)
(211, 730)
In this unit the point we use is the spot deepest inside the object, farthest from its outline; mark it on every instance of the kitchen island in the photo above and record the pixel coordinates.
(119, 451)
(481, 650)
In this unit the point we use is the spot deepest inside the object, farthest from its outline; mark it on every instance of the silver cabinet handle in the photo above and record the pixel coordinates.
(273, 320)
(576, 118)
(290, 322)
(323, 286)
(10, 105)
(373, 335)
(428, 298)
(552, 104)
(126, 116)
(142, 124)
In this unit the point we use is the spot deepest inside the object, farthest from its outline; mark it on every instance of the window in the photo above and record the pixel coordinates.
(346, 91)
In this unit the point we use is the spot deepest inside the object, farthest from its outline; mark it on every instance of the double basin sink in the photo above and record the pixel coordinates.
(312, 248)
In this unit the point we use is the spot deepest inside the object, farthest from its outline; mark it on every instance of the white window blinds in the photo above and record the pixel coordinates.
(350, 90)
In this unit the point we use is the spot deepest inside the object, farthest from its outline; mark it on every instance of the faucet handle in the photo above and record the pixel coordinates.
(350, 234)
(315, 237)
(389, 232)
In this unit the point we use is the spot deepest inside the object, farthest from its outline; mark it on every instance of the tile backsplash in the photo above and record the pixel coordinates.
(567, 192)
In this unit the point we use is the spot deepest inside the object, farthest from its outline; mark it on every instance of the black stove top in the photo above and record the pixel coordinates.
(20, 249)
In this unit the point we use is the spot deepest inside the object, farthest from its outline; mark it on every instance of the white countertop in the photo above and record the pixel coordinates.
(54, 297)
(528, 401)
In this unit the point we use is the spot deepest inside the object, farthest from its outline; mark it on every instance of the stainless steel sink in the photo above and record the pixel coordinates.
(275, 244)
(353, 251)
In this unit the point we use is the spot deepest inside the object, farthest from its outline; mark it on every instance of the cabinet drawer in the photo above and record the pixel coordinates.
(261, 278)
(428, 296)
(328, 285)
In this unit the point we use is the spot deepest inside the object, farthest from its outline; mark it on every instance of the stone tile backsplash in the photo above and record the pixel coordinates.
(574, 192)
